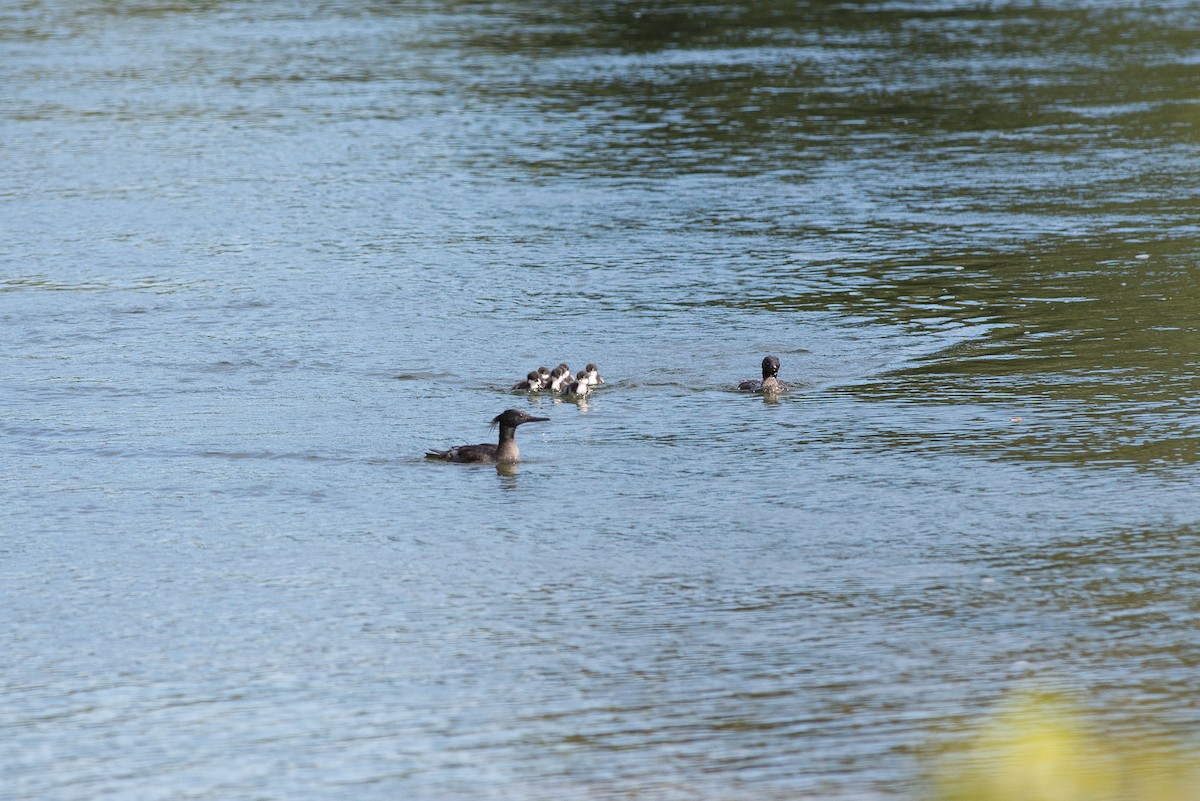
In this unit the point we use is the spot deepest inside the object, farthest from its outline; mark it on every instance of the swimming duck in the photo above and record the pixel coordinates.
(504, 452)
(532, 383)
(559, 379)
(770, 381)
(593, 375)
(582, 385)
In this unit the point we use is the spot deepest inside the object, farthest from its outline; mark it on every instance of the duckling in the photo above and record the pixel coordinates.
(559, 378)
(582, 385)
(532, 383)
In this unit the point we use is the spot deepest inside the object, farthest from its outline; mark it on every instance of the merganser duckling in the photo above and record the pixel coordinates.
(504, 452)
(544, 377)
(593, 375)
(582, 385)
(770, 381)
(532, 383)
(559, 379)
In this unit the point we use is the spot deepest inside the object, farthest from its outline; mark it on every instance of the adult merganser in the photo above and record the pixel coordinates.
(770, 381)
(504, 452)
(532, 383)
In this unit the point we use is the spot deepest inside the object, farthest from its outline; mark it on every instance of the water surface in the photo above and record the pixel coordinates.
(259, 256)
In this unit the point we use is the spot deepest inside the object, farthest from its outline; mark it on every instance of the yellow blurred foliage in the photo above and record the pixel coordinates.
(1037, 747)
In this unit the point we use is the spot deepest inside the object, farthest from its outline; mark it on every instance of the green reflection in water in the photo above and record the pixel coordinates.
(1092, 352)
(748, 87)
(1016, 179)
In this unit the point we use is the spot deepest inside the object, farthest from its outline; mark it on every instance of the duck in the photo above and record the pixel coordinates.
(770, 382)
(559, 378)
(582, 385)
(593, 375)
(503, 452)
(532, 383)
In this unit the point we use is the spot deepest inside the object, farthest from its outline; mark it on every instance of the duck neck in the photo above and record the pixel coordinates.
(506, 450)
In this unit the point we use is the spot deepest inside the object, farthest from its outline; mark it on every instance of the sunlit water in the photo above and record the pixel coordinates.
(257, 257)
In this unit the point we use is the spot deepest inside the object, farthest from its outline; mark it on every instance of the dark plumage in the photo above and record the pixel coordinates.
(770, 381)
(559, 379)
(532, 382)
(504, 451)
(581, 385)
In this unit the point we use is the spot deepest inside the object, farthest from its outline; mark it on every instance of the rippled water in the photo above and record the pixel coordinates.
(259, 256)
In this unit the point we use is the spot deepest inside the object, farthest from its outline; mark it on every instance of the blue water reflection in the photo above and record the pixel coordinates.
(259, 257)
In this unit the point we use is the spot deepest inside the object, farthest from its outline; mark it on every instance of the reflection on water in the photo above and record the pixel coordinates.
(1019, 180)
(1097, 354)
(259, 257)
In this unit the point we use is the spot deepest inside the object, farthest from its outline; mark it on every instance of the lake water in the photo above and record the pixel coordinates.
(257, 257)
